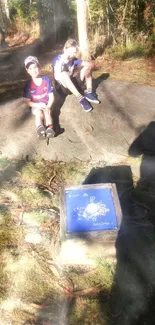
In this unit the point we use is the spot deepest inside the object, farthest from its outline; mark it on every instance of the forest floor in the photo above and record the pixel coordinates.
(32, 290)
(140, 71)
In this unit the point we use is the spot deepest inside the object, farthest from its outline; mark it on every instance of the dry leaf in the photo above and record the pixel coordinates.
(88, 129)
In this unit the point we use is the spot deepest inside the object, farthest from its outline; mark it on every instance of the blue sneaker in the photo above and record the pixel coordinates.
(91, 97)
(85, 104)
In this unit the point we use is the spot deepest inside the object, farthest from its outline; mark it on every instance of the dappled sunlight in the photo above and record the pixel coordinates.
(29, 282)
(135, 71)
(75, 253)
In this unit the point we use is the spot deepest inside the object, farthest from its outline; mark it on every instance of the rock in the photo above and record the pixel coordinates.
(129, 106)
(35, 218)
(33, 236)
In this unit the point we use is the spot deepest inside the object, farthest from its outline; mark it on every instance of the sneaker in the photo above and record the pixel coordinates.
(50, 132)
(41, 132)
(91, 97)
(85, 104)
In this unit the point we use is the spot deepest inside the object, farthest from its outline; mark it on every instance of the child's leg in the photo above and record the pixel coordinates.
(39, 122)
(67, 83)
(86, 74)
(39, 118)
(49, 123)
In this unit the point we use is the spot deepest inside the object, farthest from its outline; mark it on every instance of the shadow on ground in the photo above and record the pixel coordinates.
(99, 79)
(133, 293)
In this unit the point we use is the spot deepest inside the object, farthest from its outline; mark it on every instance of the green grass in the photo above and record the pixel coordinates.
(4, 162)
(133, 50)
(87, 311)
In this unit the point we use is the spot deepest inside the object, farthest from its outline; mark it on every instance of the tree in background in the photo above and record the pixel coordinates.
(4, 20)
(82, 20)
(4, 14)
(24, 10)
(52, 19)
(98, 22)
(50, 15)
(121, 22)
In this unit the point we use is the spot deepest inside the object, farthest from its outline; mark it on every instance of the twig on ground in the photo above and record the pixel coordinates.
(52, 178)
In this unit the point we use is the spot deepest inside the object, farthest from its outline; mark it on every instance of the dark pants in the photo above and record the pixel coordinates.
(80, 86)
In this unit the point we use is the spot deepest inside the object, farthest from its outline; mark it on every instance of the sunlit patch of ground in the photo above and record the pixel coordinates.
(138, 71)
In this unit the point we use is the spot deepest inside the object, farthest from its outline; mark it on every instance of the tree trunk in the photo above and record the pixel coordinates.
(4, 14)
(2, 37)
(124, 31)
(6, 9)
(82, 19)
(108, 20)
(52, 19)
(60, 12)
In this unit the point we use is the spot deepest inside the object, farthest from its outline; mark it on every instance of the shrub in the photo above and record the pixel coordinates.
(131, 50)
(24, 10)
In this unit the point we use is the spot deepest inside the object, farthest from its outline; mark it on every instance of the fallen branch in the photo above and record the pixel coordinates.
(51, 178)
(86, 292)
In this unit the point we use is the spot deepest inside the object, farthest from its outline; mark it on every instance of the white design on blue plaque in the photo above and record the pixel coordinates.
(90, 210)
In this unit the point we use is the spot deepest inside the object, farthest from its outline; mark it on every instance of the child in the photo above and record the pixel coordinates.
(39, 94)
(70, 73)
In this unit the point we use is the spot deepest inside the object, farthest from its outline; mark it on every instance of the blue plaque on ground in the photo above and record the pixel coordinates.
(91, 208)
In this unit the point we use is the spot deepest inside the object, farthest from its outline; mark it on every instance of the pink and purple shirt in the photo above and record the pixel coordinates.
(38, 94)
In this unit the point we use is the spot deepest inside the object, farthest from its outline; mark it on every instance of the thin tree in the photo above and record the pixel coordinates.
(6, 8)
(82, 19)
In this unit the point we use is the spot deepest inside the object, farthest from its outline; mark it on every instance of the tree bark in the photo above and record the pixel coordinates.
(6, 9)
(82, 19)
(4, 14)
(52, 19)
(108, 20)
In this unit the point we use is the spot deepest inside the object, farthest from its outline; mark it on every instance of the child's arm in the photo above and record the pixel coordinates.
(57, 65)
(35, 105)
(89, 66)
(50, 101)
(50, 94)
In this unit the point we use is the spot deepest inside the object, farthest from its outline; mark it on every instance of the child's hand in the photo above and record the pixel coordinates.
(89, 67)
(41, 105)
(48, 109)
